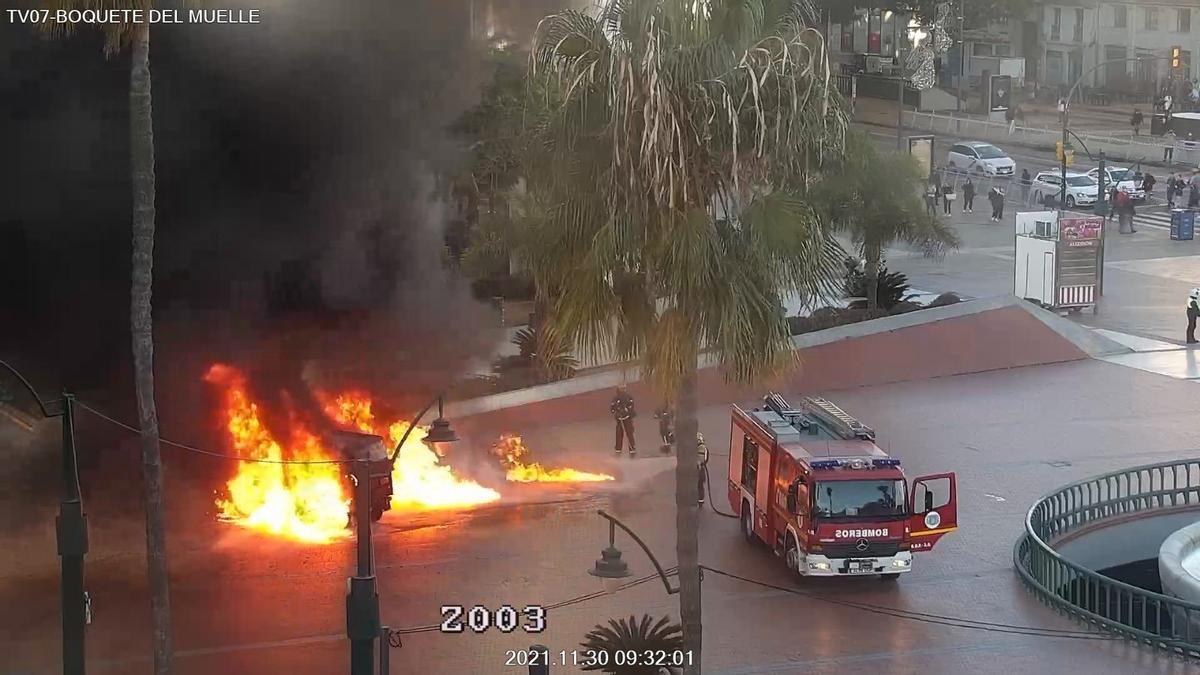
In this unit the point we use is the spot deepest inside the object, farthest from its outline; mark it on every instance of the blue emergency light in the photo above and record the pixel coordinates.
(826, 464)
(886, 462)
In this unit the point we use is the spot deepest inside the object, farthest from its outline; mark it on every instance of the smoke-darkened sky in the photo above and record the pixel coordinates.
(305, 148)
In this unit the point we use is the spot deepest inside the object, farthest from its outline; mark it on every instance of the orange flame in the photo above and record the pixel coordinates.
(514, 457)
(305, 502)
(419, 481)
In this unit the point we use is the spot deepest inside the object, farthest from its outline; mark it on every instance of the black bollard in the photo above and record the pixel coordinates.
(539, 660)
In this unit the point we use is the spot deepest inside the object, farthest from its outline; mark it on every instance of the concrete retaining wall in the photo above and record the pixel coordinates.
(970, 337)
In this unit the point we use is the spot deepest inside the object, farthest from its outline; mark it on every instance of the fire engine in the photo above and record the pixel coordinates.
(811, 483)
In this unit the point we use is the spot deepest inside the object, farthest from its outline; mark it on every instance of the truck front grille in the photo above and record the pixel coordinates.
(881, 549)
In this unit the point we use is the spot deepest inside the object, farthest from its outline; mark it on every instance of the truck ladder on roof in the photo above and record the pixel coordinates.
(839, 419)
(779, 405)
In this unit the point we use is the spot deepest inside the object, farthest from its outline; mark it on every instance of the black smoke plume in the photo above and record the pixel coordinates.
(299, 230)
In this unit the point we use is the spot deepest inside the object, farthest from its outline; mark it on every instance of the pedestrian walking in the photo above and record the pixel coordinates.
(623, 412)
(968, 196)
(996, 197)
(1026, 183)
(1124, 209)
(702, 465)
(948, 197)
(1193, 311)
(1112, 203)
(1172, 185)
(1148, 183)
(1135, 121)
(666, 428)
(1193, 195)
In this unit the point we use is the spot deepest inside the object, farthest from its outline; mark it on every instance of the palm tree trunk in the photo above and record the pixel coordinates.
(141, 326)
(687, 520)
(872, 252)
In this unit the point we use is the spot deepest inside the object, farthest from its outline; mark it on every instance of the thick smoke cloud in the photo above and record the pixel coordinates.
(298, 231)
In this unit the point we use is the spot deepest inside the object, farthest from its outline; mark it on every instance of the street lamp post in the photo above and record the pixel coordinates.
(70, 533)
(362, 600)
(962, 54)
(610, 568)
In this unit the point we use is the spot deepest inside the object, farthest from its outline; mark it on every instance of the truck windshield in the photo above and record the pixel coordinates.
(862, 498)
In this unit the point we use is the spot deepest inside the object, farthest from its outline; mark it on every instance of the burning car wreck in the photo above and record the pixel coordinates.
(296, 482)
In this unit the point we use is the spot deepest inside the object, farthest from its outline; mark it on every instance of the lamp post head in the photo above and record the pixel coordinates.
(440, 436)
(610, 569)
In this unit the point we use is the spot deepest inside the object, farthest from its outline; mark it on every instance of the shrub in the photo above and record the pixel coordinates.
(632, 635)
(945, 299)
(906, 306)
(547, 352)
(828, 317)
(892, 287)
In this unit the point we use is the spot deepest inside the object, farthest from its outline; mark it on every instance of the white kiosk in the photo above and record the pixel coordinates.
(1058, 259)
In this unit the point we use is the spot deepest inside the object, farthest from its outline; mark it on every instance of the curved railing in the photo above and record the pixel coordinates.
(1132, 612)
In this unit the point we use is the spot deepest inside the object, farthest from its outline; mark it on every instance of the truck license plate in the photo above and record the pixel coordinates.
(861, 567)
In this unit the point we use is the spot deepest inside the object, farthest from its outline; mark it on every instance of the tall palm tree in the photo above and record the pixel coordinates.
(675, 146)
(875, 197)
(136, 37)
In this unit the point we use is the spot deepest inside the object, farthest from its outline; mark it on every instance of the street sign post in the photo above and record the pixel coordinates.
(999, 93)
(921, 147)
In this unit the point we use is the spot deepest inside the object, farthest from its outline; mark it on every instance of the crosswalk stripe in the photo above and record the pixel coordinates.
(1157, 219)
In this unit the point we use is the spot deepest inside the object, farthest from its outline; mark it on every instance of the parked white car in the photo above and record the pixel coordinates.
(1082, 189)
(1123, 178)
(981, 158)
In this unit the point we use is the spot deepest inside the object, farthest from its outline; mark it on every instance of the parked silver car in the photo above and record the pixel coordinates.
(1082, 190)
(980, 158)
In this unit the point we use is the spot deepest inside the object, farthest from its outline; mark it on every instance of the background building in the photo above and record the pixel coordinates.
(1075, 35)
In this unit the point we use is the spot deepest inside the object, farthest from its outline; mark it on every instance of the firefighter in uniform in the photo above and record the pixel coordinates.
(666, 428)
(702, 465)
(622, 411)
(1193, 311)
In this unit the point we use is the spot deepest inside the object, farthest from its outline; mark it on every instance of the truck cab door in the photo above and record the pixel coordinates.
(933, 505)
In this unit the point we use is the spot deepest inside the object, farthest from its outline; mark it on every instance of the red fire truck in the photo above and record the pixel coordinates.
(811, 483)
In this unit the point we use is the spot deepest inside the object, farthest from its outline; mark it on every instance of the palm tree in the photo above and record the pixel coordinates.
(136, 36)
(637, 636)
(675, 142)
(874, 196)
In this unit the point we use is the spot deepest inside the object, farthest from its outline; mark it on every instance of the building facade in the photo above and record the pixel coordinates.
(1075, 36)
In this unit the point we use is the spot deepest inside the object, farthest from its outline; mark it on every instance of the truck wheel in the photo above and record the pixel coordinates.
(792, 554)
(748, 524)
(889, 577)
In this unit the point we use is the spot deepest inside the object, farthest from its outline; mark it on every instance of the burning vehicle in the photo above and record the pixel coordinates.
(295, 483)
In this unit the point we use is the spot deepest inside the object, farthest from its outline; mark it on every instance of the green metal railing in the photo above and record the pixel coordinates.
(1129, 611)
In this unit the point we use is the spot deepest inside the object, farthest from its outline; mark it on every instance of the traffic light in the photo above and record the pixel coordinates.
(1176, 58)
(1069, 159)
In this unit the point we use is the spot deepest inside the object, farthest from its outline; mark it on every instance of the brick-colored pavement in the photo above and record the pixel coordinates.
(244, 604)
